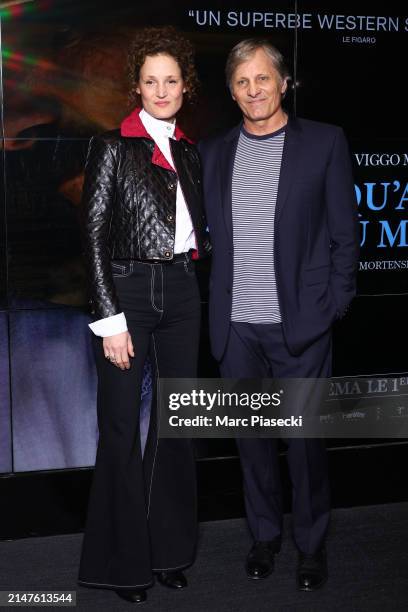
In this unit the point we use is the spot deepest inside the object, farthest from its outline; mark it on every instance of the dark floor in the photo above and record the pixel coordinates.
(367, 555)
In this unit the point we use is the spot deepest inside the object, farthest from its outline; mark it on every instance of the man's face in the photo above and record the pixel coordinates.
(257, 87)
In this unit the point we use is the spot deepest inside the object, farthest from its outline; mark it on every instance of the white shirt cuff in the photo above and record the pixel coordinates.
(109, 326)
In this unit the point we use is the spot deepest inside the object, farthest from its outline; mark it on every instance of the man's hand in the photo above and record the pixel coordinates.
(118, 349)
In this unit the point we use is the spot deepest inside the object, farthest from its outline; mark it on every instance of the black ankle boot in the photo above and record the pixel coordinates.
(173, 580)
(132, 595)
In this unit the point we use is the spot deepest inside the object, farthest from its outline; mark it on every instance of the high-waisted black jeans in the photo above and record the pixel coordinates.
(142, 511)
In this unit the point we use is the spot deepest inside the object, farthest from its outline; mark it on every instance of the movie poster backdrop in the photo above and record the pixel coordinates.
(64, 79)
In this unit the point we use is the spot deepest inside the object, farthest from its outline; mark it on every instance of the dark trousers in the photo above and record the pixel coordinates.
(259, 351)
(142, 511)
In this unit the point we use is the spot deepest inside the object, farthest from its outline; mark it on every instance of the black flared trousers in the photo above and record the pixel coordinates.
(142, 513)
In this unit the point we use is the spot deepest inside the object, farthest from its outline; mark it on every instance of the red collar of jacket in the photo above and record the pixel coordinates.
(132, 127)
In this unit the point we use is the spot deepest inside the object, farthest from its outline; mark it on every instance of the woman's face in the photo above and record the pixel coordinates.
(161, 86)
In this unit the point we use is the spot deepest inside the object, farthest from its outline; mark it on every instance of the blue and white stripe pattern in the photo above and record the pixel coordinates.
(255, 183)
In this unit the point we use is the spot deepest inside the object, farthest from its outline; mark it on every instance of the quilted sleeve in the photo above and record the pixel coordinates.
(96, 211)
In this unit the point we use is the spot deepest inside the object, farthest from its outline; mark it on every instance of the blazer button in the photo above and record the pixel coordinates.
(171, 186)
(170, 217)
(167, 254)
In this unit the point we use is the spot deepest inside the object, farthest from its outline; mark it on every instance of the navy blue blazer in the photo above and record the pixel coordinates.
(316, 231)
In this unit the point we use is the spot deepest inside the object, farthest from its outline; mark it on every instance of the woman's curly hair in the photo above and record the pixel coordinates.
(154, 41)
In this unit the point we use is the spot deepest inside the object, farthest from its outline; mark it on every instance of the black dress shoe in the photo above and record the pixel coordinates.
(132, 595)
(312, 571)
(260, 560)
(172, 580)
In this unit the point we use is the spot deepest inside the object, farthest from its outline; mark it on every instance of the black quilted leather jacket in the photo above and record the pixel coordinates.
(129, 208)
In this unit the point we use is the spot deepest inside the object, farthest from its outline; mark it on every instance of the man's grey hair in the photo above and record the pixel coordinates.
(244, 50)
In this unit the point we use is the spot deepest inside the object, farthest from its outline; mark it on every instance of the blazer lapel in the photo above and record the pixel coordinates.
(290, 158)
(227, 157)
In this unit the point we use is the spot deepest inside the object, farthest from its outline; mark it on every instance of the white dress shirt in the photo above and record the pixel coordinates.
(184, 240)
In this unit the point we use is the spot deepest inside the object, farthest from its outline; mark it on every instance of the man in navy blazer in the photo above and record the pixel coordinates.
(282, 216)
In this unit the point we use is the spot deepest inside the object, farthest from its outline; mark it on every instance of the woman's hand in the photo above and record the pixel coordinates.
(118, 348)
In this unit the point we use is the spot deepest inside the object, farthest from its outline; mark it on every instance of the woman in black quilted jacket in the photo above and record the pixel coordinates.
(143, 226)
